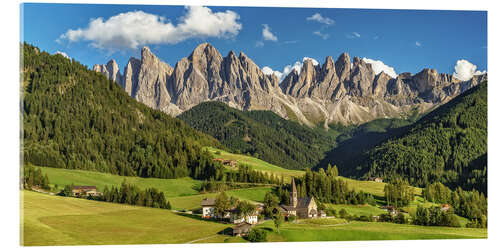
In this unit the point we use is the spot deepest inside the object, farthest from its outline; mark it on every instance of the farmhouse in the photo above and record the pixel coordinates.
(378, 179)
(236, 218)
(242, 229)
(300, 207)
(208, 208)
(85, 191)
(445, 207)
(231, 163)
(390, 209)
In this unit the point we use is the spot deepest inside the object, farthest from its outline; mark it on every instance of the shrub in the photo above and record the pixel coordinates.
(291, 218)
(257, 235)
(343, 213)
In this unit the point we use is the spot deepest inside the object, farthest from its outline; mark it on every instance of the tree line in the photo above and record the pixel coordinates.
(469, 204)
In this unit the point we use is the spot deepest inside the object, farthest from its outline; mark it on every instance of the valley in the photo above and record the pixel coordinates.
(370, 175)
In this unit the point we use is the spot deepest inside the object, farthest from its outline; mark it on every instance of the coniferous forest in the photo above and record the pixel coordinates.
(448, 145)
(76, 118)
(262, 134)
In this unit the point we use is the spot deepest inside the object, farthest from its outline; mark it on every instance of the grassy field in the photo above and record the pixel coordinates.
(255, 163)
(54, 220)
(192, 202)
(366, 231)
(170, 187)
(372, 187)
(358, 210)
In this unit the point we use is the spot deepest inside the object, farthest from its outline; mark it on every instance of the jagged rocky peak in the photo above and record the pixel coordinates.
(343, 66)
(337, 91)
(110, 70)
(425, 80)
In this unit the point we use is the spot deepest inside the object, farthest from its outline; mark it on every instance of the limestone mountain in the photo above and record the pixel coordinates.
(338, 91)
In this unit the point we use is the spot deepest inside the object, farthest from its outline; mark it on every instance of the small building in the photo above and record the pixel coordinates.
(208, 208)
(390, 209)
(242, 229)
(445, 207)
(231, 163)
(322, 214)
(236, 218)
(378, 179)
(85, 191)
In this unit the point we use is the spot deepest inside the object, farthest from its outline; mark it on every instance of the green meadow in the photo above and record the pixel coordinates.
(54, 220)
(355, 231)
(170, 187)
(255, 163)
(192, 202)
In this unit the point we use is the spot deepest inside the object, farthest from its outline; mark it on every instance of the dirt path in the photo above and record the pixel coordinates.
(205, 238)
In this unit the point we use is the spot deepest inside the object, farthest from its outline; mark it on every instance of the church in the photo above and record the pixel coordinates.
(300, 207)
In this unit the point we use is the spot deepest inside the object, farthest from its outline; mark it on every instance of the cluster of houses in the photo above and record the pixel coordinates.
(85, 191)
(304, 208)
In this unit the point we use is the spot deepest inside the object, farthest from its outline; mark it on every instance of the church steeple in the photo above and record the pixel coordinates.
(293, 195)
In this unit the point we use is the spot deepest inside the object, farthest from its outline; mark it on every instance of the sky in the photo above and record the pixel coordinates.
(276, 39)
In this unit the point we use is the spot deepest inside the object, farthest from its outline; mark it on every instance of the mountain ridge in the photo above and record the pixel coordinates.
(339, 91)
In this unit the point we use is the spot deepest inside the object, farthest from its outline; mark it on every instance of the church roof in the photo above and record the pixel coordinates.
(303, 202)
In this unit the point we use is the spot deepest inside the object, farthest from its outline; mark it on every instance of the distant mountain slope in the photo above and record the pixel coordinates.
(448, 145)
(261, 133)
(77, 119)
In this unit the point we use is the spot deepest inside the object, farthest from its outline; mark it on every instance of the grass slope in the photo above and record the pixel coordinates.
(336, 231)
(170, 187)
(255, 163)
(53, 220)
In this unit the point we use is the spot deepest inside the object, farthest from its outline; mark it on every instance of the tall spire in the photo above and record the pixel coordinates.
(293, 195)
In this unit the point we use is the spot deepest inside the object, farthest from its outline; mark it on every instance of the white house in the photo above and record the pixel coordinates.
(208, 208)
(250, 219)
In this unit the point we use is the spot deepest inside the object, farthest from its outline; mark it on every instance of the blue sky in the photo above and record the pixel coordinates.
(407, 40)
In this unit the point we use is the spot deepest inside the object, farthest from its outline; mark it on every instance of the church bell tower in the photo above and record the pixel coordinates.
(293, 194)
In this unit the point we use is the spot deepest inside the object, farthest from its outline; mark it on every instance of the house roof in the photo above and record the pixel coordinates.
(241, 227)
(208, 202)
(84, 187)
(286, 208)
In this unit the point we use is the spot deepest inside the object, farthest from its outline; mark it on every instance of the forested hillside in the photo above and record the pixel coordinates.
(262, 134)
(77, 119)
(448, 145)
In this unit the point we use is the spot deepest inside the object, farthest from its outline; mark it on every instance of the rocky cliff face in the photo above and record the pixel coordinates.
(335, 92)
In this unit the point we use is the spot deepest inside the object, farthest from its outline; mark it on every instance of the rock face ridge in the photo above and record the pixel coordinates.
(335, 92)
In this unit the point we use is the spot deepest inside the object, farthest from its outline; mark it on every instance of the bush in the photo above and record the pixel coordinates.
(291, 218)
(363, 218)
(400, 219)
(343, 213)
(257, 235)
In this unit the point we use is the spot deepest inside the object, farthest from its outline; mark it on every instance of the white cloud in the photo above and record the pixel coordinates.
(267, 34)
(322, 35)
(259, 44)
(353, 35)
(320, 19)
(379, 66)
(464, 70)
(137, 28)
(288, 68)
(62, 54)
(418, 44)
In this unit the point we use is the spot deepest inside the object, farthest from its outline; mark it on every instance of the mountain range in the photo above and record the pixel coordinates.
(341, 92)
